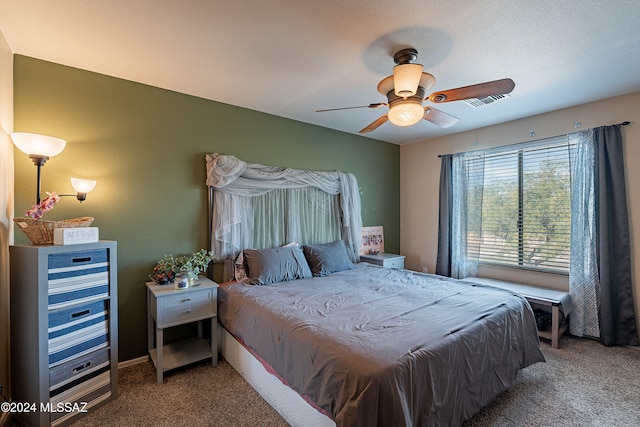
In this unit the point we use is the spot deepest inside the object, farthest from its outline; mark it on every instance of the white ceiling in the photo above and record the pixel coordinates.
(292, 57)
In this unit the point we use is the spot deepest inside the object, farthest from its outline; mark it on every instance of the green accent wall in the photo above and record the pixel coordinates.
(146, 148)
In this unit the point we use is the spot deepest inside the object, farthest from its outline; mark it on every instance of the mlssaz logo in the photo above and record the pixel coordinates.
(65, 407)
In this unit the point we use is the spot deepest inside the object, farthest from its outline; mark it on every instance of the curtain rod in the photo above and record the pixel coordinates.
(625, 123)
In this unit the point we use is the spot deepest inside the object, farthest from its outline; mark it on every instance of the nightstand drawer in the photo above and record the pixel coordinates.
(191, 299)
(394, 263)
(189, 306)
(384, 259)
(185, 314)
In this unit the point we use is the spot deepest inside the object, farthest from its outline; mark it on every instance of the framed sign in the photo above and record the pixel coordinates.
(372, 240)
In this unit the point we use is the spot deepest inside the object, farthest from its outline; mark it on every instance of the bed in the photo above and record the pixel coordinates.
(329, 341)
(369, 346)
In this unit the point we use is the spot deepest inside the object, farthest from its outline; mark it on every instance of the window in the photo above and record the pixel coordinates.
(524, 197)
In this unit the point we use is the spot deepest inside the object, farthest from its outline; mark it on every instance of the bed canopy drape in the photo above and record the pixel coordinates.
(258, 206)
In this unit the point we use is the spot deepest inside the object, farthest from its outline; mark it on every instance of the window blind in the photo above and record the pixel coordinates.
(526, 205)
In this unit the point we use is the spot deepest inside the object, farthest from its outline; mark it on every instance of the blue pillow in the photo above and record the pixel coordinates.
(265, 266)
(327, 258)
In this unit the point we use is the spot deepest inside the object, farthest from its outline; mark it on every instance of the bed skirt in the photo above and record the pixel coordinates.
(289, 404)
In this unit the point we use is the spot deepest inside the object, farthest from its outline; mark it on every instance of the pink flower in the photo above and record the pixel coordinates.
(47, 204)
(35, 212)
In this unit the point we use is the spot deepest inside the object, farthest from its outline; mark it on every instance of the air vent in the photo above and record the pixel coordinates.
(480, 102)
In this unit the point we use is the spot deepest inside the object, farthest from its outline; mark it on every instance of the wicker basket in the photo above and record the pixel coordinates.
(40, 232)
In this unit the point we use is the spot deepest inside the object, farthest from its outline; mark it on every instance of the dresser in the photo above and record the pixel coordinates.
(168, 307)
(64, 330)
(384, 259)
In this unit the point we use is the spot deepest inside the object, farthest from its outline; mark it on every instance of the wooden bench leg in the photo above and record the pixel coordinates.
(555, 326)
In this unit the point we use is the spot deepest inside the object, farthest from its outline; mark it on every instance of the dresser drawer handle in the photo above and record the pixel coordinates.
(83, 259)
(81, 367)
(81, 313)
(186, 300)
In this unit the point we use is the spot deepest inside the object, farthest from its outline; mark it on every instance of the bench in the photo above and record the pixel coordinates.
(558, 302)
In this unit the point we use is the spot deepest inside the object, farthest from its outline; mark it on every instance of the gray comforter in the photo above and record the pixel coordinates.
(378, 347)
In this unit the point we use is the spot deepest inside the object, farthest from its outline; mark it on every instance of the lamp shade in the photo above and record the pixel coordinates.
(406, 113)
(406, 78)
(40, 145)
(82, 185)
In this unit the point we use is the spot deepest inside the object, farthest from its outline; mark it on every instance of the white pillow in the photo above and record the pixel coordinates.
(240, 272)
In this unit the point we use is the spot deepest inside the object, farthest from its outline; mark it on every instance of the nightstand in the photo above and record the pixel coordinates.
(168, 307)
(384, 260)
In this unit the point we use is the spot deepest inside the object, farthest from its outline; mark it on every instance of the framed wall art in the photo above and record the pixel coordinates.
(372, 240)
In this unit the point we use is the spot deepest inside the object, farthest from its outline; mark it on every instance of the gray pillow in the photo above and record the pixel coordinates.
(327, 258)
(265, 266)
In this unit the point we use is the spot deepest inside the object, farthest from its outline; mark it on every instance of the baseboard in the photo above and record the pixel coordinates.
(132, 362)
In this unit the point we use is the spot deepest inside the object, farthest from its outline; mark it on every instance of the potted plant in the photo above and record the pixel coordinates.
(164, 271)
(193, 265)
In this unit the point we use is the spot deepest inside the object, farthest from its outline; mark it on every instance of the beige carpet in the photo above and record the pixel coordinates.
(582, 384)
(197, 395)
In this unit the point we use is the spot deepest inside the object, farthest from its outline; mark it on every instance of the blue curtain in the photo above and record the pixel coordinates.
(584, 280)
(443, 260)
(600, 281)
(460, 216)
(617, 315)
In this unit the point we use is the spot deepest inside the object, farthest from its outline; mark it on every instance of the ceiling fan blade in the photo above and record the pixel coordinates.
(496, 87)
(378, 105)
(439, 118)
(373, 126)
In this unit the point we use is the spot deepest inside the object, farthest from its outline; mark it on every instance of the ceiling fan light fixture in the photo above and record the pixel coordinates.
(406, 78)
(406, 113)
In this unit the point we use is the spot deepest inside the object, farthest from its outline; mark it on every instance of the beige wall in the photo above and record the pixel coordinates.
(420, 174)
(6, 202)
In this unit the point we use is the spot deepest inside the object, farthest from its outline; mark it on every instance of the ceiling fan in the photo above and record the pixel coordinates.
(406, 91)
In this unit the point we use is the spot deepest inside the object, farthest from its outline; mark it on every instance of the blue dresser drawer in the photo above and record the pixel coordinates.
(78, 370)
(89, 393)
(77, 330)
(77, 277)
